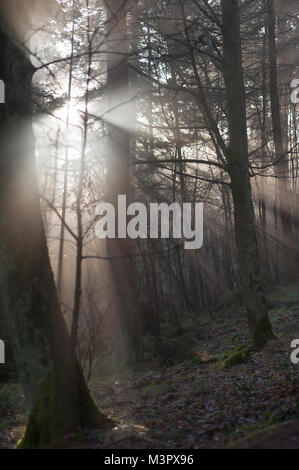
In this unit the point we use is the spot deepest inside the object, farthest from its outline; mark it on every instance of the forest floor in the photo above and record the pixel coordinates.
(197, 402)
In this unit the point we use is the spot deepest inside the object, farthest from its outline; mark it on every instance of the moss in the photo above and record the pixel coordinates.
(237, 356)
(46, 425)
(41, 430)
(156, 390)
(262, 333)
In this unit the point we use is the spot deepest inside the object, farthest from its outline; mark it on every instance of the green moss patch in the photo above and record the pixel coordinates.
(241, 354)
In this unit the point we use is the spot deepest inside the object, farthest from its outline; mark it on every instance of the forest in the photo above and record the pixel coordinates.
(149, 224)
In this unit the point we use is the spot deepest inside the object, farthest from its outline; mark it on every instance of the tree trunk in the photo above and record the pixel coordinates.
(248, 256)
(66, 165)
(126, 340)
(282, 167)
(57, 395)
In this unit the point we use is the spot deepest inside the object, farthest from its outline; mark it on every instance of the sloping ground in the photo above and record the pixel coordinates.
(198, 403)
(204, 406)
(280, 436)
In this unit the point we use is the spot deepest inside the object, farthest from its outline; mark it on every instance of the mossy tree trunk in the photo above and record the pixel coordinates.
(252, 286)
(58, 398)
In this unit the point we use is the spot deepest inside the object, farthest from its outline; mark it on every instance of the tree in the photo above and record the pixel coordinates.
(125, 310)
(57, 395)
(238, 161)
(281, 168)
(66, 157)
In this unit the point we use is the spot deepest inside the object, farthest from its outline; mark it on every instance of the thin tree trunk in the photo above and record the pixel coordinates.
(281, 168)
(66, 164)
(79, 197)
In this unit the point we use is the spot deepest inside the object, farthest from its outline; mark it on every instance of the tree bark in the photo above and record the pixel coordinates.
(245, 235)
(57, 395)
(280, 144)
(125, 321)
